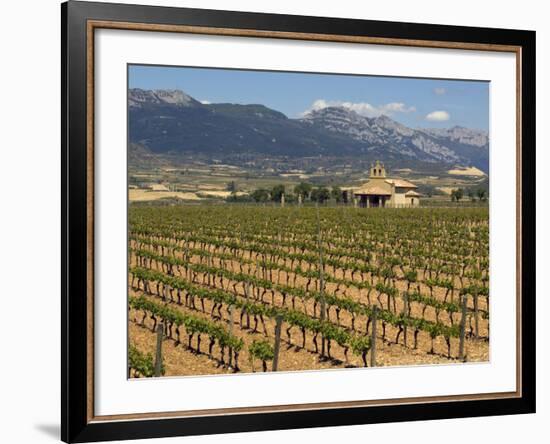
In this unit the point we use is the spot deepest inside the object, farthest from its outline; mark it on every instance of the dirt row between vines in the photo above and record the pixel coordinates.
(353, 292)
(338, 272)
(181, 361)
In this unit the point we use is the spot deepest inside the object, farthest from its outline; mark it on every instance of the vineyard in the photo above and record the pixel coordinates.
(235, 288)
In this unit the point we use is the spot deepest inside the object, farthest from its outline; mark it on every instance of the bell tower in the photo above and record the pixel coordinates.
(377, 171)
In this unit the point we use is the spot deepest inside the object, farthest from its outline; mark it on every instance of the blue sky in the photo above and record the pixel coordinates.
(413, 102)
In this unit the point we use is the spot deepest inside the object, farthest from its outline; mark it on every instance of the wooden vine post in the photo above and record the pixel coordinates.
(247, 299)
(462, 328)
(277, 346)
(373, 337)
(405, 316)
(231, 310)
(158, 355)
(164, 292)
(476, 315)
(160, 336)
(321, 279)
(209, 263)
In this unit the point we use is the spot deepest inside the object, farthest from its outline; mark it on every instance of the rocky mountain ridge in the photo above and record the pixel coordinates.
(171, 121)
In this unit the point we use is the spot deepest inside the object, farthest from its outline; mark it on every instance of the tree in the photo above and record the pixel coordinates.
(336, 193)
(291, 198)
(471, 195)
(231, 186)
(234, 197)
(457, 194)
(320, 194)
(277, 192)
(260, 195)
(303, 189)
(481, 195)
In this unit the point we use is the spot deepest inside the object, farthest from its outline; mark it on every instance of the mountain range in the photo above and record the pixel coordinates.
(172, 122)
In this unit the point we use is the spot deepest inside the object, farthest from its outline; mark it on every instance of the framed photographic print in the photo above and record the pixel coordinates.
(276, 221)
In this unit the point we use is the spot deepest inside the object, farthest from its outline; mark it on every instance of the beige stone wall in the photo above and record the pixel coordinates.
(399, 199)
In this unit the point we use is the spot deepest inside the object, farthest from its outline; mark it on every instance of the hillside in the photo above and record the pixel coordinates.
(172, 122)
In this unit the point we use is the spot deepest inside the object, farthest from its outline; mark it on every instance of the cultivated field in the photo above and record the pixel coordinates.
(237, 287)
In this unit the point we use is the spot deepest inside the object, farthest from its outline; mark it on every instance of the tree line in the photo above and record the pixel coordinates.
(458, 194)
(303, 192)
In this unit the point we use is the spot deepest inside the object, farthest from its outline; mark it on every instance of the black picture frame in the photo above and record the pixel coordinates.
(76, 423)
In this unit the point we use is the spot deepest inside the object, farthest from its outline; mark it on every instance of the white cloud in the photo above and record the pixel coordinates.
(438, 116)
(205, 102)
(396, 107)
(440, 91)
(363, 108)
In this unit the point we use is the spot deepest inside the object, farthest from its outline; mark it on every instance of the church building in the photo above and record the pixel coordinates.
(381, 191)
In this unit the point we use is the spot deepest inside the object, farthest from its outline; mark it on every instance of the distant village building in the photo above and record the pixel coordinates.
(381, 191)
